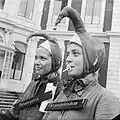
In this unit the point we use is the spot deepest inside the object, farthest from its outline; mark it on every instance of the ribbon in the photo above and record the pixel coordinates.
(74, 85)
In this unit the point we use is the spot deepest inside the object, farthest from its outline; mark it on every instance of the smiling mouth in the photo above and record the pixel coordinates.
(38, 68)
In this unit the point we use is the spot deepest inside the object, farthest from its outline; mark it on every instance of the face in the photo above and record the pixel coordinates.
(74, 60)
(43, 61)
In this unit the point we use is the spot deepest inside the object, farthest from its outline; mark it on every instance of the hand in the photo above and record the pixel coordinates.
(3, 115)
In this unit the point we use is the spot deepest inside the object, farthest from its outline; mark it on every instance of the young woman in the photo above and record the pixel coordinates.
(46, 82)
(83, 97)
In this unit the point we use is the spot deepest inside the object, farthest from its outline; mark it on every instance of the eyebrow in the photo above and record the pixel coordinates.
(76, 50)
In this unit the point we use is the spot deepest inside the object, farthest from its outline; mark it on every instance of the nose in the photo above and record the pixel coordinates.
(68, 59)
(37, 62)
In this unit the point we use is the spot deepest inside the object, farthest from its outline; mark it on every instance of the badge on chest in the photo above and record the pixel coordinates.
(67, 105)
(36, 100)
(42, 98)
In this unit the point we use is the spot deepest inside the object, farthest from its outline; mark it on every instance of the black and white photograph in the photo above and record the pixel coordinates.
(59, 59)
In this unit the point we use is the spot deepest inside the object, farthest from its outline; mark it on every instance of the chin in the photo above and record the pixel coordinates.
(38, 72)
(72, 75)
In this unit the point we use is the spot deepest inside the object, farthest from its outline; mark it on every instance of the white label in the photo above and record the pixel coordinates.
(44, 103)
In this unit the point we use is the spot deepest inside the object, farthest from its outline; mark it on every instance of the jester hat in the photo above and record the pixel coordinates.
(93, 49)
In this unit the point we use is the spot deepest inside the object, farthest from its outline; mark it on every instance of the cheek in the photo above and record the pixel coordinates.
(79, 65)
(48, 66)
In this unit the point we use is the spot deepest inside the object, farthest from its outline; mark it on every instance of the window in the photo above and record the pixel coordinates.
(93, 11)
(56, 10)
(58, 6)
(45, 14)
(2, 2)
(55, 7)
(7, 65)
(26, 8)
(17, 66)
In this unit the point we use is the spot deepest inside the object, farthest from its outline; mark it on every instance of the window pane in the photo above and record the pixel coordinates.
(29, 10)
(26, 8)
(17, 66)
(45, 13)
(6, 66)
(58, 5)
(2, 4)
(92, 12)
(22, 7)
(97, 9)
(88, 11)
(56, 10)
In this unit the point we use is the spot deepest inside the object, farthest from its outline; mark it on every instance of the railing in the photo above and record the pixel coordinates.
(7, 98)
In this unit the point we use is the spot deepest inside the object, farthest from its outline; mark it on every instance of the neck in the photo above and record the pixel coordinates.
(52, 75)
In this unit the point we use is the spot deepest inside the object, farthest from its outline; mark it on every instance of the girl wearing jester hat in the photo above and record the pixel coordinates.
(45, 86)
(83, 98)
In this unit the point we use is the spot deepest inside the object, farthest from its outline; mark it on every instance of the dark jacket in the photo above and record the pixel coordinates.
(31, 112)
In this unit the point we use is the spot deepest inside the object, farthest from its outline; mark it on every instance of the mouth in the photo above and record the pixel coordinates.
(69, 68)
(38, 68)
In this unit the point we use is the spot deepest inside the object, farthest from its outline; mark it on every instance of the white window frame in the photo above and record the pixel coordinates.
(16, 73)
(7, 65)
(94, 27)
(25, 14)
(50, 24)
(64, 27)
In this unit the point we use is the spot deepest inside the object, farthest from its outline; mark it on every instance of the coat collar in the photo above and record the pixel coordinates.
(80, 85)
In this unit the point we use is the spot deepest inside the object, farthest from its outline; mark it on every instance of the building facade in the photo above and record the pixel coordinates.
(18, 18)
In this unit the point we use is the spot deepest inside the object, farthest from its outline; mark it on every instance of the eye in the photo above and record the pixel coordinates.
(42, 58)
(67, 54)
(76, 53)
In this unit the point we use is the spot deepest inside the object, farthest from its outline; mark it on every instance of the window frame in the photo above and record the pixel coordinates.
(25, 10)
(64, 27)
(50, 23)
(14, 69)
(7, 65)
(94, 27)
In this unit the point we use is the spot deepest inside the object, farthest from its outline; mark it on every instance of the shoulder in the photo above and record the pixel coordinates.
(108, 105)
(108, 95)
(105, 94)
